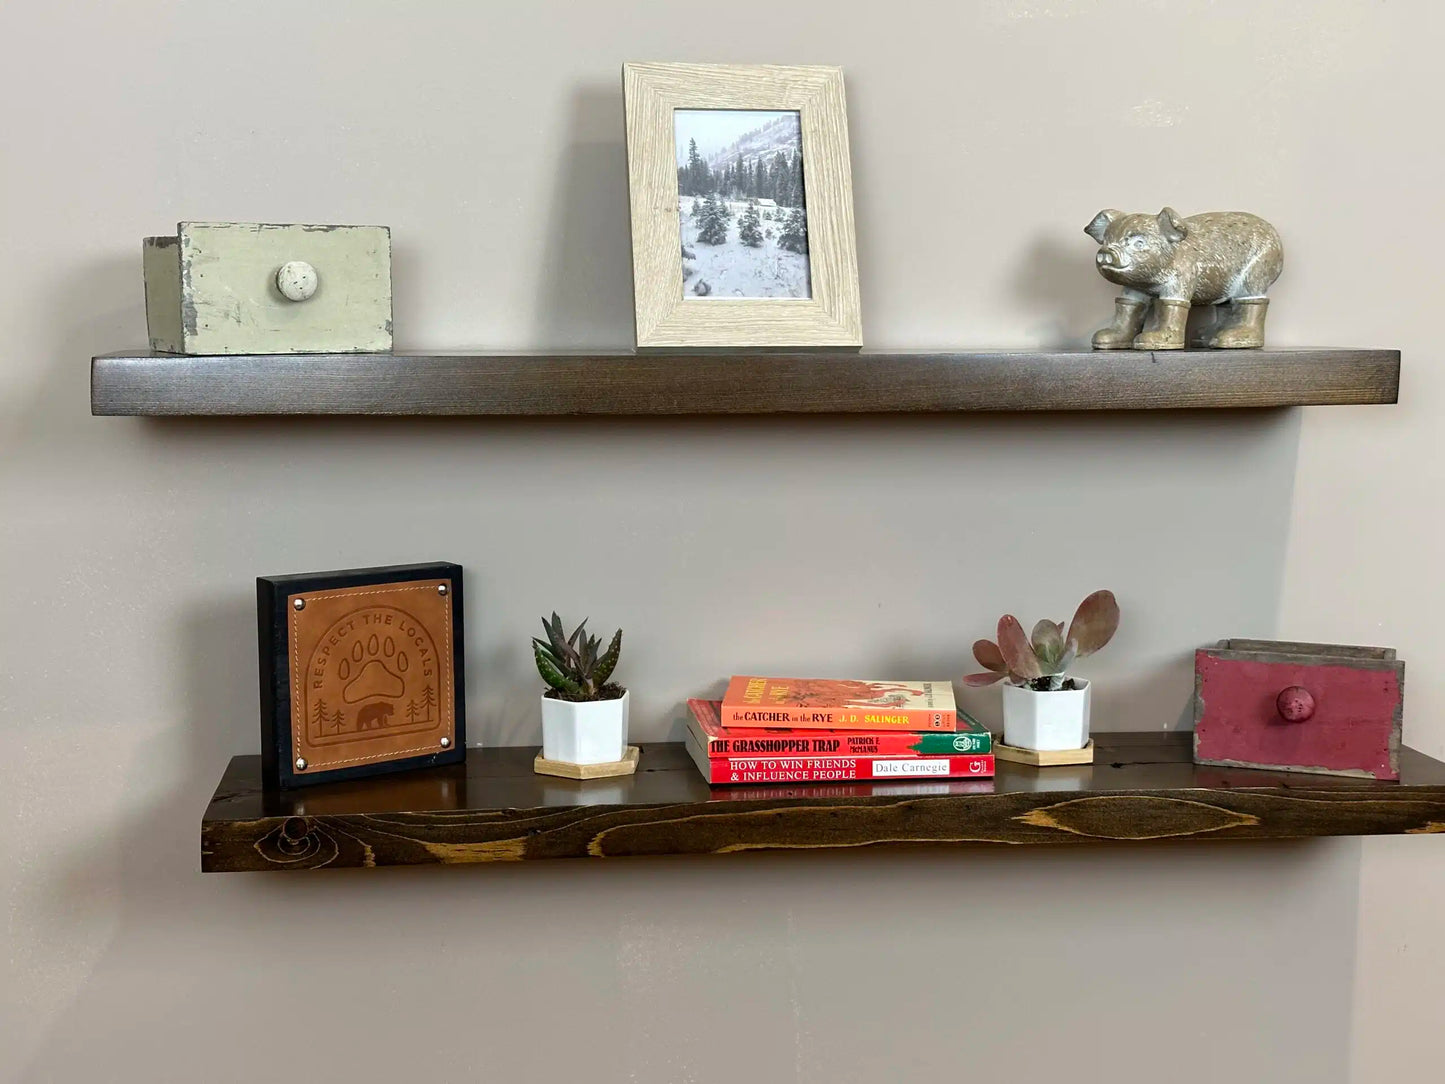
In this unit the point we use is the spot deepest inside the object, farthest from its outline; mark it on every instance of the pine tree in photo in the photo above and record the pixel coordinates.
(713, 226)
(795, 180)
(794, 236)
(696, 170)
(750, 227)
(698, 205)
(778, 178)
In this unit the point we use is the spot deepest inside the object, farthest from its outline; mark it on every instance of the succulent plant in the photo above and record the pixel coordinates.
(1041, 661)
(575, 666)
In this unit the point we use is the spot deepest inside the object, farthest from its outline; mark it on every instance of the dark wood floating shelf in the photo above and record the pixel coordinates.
(494, 809)
(736, 383)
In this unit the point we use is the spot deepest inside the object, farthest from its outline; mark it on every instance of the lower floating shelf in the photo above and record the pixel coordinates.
(1141, 786)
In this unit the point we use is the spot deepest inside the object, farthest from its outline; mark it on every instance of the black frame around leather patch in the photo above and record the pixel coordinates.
(360, 682)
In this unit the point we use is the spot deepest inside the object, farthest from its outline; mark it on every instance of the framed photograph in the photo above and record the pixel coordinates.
(742, 206)
(361, 672)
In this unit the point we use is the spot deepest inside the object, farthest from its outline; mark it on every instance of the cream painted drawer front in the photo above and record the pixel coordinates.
(253, 288)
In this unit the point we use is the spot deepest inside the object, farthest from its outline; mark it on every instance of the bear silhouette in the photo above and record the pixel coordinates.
(373, 716)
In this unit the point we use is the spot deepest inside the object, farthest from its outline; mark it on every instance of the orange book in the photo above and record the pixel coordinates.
(821, 704)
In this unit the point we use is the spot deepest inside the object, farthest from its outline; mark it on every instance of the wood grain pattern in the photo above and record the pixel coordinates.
(147, 383)
(493, 808)
(832, 316)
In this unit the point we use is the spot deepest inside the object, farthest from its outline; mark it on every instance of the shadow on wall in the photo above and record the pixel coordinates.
(1056, 277)
(585, 295)
(162, 890)
(98, 308)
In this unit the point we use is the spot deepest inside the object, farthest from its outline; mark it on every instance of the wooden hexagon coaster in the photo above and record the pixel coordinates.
(567, 770)
(1044, 758)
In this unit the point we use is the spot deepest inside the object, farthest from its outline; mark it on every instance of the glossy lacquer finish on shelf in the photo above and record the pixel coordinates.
(154, 384)
(494, 809)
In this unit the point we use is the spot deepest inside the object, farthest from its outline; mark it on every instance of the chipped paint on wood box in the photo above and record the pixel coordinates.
(1320, 708)
(212, 289)
(161, 257)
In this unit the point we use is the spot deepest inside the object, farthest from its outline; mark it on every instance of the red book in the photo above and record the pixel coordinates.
(820, 704)
(884, 788)
(836, 769)
(706, 727)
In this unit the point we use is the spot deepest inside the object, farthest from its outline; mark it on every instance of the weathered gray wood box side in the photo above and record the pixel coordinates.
(257, 288)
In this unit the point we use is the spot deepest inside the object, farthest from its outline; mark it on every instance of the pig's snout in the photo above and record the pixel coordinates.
(1107, 257)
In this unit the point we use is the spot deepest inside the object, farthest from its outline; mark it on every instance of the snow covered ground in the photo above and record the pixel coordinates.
(732, 269)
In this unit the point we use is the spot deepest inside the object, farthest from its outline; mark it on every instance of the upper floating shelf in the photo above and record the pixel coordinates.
(146, 383)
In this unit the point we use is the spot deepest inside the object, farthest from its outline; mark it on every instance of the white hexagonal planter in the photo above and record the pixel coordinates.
(594, 732)
(1046, 720)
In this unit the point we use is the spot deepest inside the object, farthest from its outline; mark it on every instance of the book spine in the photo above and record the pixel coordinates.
(950, 744)
(903, 719)
(844, 769)
(881, 789)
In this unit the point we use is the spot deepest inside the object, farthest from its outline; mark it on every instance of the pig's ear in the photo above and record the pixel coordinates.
(1102, 221)
(1172, 226)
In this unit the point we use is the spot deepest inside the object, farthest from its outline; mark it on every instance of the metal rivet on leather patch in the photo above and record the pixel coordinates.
(446, 743)
(300, 763)
(300, 604)
(441, 589)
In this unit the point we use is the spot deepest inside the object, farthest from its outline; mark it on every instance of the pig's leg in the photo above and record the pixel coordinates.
(1130, 308)
(1166, 327)
(1243, 325)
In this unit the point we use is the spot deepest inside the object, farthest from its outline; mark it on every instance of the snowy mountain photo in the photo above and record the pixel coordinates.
(741, 203)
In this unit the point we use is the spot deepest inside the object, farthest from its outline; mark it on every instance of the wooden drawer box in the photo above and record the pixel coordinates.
(252, 288)
(1299, 707)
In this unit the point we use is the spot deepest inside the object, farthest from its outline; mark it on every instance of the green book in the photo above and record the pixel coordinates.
(970, 737)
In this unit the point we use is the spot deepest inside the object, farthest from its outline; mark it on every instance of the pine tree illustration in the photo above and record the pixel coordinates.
(428, 702)
(411, 710)
(338, 721)
(319, 716)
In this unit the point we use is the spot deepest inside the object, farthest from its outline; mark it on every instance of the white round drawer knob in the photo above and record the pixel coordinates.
(296, 280)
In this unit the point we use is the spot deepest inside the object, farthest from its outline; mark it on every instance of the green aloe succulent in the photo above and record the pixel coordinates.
(1041, 661)
(575, 666)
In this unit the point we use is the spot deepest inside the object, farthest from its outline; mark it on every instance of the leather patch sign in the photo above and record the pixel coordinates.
(365, 672)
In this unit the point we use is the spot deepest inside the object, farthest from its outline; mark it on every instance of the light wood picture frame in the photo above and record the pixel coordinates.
(666, 316)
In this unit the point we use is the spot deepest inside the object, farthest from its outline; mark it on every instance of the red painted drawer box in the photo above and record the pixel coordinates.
(1299, 707)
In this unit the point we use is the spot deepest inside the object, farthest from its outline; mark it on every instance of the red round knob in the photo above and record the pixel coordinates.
(1295, 704)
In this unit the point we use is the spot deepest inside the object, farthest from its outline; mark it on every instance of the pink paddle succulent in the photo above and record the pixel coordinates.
(1041, 660)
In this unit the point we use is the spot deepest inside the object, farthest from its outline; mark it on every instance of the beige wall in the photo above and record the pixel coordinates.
(489, 137)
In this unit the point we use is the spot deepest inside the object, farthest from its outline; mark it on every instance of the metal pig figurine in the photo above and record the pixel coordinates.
(1223, 258)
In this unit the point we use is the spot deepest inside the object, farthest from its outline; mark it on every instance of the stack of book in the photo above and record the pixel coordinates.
(787, 730)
